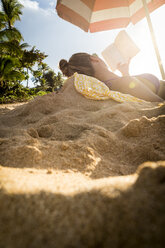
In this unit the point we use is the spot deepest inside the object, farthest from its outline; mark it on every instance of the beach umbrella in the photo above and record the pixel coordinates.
(100, 15)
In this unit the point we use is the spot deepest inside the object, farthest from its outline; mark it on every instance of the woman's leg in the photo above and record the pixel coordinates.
(150, 81)
(161, 91)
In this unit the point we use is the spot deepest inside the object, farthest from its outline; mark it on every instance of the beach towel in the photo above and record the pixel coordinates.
(94, 89)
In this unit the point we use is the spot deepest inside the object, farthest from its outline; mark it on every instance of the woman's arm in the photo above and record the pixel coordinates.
(123, 68)
(133, 86)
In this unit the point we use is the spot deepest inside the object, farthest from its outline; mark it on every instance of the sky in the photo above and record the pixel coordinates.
(59, 39)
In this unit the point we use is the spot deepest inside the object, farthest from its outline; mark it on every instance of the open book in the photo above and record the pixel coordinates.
(121, 51)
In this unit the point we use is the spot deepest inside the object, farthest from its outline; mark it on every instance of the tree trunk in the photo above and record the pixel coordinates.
(27, 80)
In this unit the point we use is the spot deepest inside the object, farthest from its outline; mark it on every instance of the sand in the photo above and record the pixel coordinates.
(82, 173)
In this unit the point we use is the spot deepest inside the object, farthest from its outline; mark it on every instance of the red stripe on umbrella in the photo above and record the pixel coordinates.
(71, 16)
(109, 24)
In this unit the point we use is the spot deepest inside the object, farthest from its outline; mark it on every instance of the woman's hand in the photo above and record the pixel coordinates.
(124, 68)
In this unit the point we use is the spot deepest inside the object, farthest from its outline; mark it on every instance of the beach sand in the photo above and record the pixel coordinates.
(82, 173)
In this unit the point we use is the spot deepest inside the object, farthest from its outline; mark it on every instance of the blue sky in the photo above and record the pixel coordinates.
(41, 27)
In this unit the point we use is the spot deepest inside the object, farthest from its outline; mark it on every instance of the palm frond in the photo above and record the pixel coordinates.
(12, 10)
(10, 34)
(24, 45)
(15, 75)
(10, 48)
(9, 69)
(2, 20)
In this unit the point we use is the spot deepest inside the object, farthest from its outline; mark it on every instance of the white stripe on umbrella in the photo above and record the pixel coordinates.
(102, 15)
(136, 5)
(99, 15)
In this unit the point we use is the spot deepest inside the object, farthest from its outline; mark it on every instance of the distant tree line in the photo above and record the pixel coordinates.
(18, 61)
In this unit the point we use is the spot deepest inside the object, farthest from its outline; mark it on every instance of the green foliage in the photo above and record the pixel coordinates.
(10, 34)
(38, 75)
(9, 71)
(53, 81)
(2, 20)
(47, 79)
(10, 37)
(16, 62)
(41, 93)
(29, 58)
(13, 92)
(12, 11)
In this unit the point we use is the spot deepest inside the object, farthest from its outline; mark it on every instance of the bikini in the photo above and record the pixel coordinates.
(154, 80)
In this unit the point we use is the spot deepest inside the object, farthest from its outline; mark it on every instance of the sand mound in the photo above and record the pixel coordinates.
(67, 131)
(58, 155)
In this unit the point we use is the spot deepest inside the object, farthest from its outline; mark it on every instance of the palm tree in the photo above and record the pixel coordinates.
(15, 59)
(12, 11)
(38, 75)
(53, 81)
(10, 37)
(11, 49)
(31, 58)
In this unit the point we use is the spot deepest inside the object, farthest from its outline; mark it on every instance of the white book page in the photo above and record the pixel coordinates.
(126, 45)
(113, 57)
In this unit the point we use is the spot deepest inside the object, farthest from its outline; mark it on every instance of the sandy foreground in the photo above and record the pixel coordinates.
(81, 173)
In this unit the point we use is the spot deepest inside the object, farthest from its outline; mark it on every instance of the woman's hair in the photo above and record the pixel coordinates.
(79, 62)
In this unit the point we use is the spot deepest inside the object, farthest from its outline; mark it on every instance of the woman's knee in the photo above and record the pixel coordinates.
(161, 91)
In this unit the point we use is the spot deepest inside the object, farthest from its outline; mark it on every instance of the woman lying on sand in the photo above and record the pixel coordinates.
(145, 86)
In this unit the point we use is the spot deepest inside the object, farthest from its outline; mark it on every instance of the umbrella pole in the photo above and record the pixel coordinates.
(153, 39)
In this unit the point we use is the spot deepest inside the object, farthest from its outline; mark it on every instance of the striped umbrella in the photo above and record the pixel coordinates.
(100, 15)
